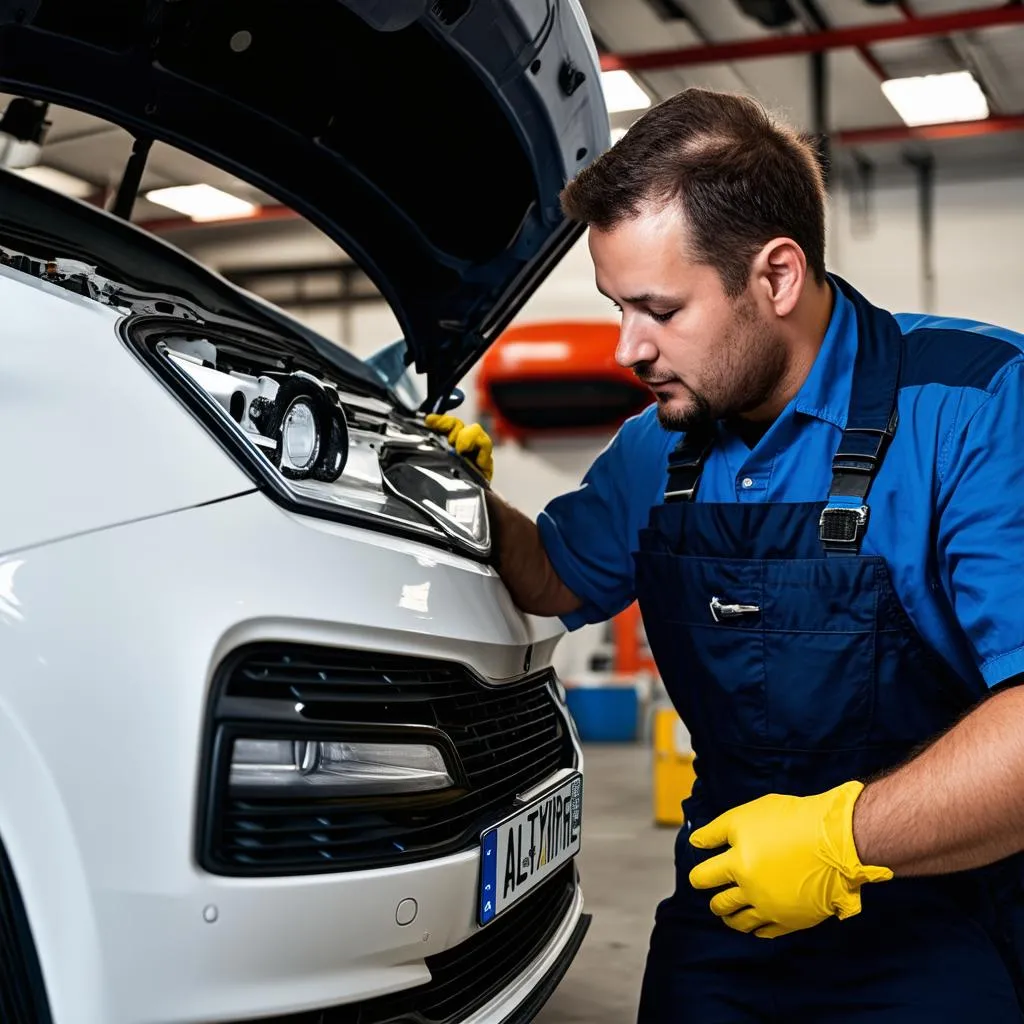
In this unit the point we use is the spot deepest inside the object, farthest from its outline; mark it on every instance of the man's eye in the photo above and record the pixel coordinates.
(662, 318)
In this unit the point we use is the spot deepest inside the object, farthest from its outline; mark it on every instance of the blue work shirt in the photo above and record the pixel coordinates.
(947, 506)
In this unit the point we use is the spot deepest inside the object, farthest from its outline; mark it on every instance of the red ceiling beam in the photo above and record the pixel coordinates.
(952, 130)
(813, 42)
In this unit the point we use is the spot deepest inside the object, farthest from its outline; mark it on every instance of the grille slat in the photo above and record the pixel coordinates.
(542, 716)
(508, 739)
(496, 751)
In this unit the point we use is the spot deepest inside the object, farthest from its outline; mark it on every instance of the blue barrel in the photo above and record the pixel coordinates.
(604, 714)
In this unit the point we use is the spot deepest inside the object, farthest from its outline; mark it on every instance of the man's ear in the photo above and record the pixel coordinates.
(779, 271)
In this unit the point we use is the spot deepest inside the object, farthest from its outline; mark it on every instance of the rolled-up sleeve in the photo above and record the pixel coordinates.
(590, 533)
(980, 542)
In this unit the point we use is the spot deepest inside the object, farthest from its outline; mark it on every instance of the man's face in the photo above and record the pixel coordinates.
(705, 356)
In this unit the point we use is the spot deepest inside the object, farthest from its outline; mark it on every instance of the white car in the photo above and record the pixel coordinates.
(275, 742)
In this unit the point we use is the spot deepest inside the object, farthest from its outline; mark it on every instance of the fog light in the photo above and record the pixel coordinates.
(336, 768)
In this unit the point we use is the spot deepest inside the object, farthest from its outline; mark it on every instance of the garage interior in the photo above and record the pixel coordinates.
(926, 213)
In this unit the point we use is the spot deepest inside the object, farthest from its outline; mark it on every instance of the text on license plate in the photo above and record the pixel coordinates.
(523, 850)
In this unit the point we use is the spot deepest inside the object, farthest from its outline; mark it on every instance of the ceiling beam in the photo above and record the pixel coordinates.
(819, 23)
(813, 42)
(951, 130)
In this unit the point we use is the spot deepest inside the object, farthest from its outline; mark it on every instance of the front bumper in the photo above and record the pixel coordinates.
(112, 641)
(333, 951)
(540, 937)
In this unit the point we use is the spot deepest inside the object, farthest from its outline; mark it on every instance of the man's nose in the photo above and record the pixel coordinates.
(635, 345)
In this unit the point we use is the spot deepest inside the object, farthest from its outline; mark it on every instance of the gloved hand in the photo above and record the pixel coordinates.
(472, 442)
(792, 859)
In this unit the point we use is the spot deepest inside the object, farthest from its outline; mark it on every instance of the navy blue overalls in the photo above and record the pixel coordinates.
(790, 659)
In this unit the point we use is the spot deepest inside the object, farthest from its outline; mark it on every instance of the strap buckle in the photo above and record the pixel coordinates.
(841, 527)
(683, 494)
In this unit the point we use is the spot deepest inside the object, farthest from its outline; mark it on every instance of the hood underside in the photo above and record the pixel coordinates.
(429, 139)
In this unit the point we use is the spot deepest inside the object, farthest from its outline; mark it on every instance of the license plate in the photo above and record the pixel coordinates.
(519, 853)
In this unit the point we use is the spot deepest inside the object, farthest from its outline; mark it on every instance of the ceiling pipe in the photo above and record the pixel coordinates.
(819, 111)
(930, 132)
(924, 166)
(812, 42)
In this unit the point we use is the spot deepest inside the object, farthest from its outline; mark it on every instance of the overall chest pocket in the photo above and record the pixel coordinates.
(776, 653)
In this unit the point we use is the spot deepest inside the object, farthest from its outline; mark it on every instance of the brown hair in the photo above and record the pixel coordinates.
(741, 177)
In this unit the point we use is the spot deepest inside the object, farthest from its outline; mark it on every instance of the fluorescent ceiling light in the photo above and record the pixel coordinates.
(933, 99)
(201, 202)
(622, 92)
(58, 181)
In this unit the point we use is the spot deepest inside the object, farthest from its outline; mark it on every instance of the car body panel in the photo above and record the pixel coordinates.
(109, 786)
(95, 439)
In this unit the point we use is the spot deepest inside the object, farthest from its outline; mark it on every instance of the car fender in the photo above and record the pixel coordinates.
(44, 856)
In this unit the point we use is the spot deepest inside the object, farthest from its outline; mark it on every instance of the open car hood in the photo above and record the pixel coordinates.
(429, 138)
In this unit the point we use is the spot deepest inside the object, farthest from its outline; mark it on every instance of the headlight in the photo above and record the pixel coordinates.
(440, 485)
(322, 449)
(336, 768)
(310, 432)
(300, 439)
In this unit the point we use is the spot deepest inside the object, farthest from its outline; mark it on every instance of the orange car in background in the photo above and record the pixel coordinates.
(556, 377)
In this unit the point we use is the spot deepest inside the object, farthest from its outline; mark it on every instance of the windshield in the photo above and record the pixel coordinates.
(407, 385)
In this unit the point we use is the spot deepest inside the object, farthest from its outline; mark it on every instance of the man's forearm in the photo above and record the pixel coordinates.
(957, 805)
(524, 564)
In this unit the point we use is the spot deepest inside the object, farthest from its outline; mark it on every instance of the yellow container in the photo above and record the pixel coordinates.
(673, 767)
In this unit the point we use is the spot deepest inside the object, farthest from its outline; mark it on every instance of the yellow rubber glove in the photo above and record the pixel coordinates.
(472, 442)
(792, 860)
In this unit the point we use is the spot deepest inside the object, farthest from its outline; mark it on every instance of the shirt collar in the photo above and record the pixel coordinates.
(825, 394)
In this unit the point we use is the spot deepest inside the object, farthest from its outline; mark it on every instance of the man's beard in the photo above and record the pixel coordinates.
(753, 363)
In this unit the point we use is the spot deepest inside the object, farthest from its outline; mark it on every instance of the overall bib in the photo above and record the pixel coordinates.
(793, 664)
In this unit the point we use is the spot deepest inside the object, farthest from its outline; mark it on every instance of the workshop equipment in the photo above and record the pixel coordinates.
(672, 774)
(554, 378)
(605, 709)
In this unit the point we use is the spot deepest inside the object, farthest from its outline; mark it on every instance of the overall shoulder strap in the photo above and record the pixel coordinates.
(870, 425)
(686, 464)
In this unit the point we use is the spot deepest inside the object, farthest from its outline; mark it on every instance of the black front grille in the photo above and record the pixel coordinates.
(500, 740)
(22, 997)
(469, 975)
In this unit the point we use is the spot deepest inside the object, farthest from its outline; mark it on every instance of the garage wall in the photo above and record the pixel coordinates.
(978, 232)
(979, 228)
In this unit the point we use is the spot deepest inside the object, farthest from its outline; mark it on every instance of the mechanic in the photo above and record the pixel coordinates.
(820, 517)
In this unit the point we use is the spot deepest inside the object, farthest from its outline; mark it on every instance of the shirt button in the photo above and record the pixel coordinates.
(747, 482)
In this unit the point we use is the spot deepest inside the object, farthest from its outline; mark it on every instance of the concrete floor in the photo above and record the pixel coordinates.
(626, 868)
